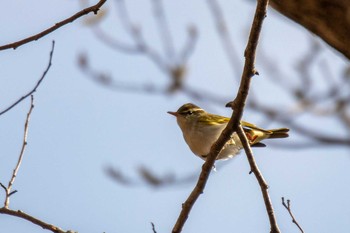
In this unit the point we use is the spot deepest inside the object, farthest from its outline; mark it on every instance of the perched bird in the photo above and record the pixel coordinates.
(201, 129)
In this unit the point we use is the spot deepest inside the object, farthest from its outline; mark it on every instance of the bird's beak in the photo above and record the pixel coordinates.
(173, 113)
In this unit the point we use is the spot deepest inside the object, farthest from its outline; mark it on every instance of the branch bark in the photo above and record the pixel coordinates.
(24, 145)
(86, 11)
(328, 19)
(288, 208)
(261, 180)
(233, 125)
(21, 214)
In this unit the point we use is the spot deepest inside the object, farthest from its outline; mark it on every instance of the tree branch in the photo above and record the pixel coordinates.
(83, 12)
(328, 19)
(262, 183)
(153, 228)
(37, 84)
(15, 171)
(233, 125)
(287, 206)
(21, 214)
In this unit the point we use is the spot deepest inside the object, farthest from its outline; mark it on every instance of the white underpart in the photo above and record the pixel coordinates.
(200, 139)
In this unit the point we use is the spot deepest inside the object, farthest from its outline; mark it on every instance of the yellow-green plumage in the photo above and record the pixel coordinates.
(201, 129)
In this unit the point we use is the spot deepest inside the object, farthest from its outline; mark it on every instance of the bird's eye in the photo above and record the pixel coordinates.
(189, 112)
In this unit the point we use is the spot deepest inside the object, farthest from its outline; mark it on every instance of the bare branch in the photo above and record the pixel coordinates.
(149, 178)
(83, 12)
(188, 47)
(172, 63)
(225, 36)
(305, 131)
(37, 84)
(141, 46)
(24, 144)
(262, 183)
(21, 214)
(163, 27)
(233, 125)
(287, 206)
(113, 84)
(153, 228)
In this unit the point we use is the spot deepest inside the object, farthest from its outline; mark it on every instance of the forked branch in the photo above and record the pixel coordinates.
(15, 171)
(37, 84)
(288, 208)
(8, 189)
(233, 125)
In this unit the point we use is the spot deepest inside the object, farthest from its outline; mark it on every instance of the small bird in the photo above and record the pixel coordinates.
(201, 129)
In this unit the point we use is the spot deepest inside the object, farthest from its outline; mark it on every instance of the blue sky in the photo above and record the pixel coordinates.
(79, 128)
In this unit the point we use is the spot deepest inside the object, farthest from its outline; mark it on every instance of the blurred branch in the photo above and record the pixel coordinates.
(147, 88)
(37, 84)
(149, 178)
(287, 206)
(173, 64)
(107, 81)
(15, 171)
(153, 228)
(306, 90)
(83, 12)
(309, 96)
(44, 225)
(288, 121)
(234, 125)
(223, 32)
(164, 31)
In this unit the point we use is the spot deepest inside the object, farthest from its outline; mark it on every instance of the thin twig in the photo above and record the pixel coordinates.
(24, 144)
(189, 46)
(163, 28)
(140, 43)
(224, 34)
(172, 63)
(153, 228)
(83, 12)
(37, 84)
(262, 183)
(287, 206)
(21, 214)
(238, 107)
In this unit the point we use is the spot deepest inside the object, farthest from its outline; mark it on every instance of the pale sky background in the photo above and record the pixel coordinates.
(79, 128)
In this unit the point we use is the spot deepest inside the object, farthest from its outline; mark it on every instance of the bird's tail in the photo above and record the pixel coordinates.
(256, 134)
(278, 133)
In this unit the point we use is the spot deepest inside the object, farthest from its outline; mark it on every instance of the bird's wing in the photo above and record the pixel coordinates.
(254, 127)
(212, 119)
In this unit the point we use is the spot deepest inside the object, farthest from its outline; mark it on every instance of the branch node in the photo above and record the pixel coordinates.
(13, 192)
(287, 206)
(232, 104)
